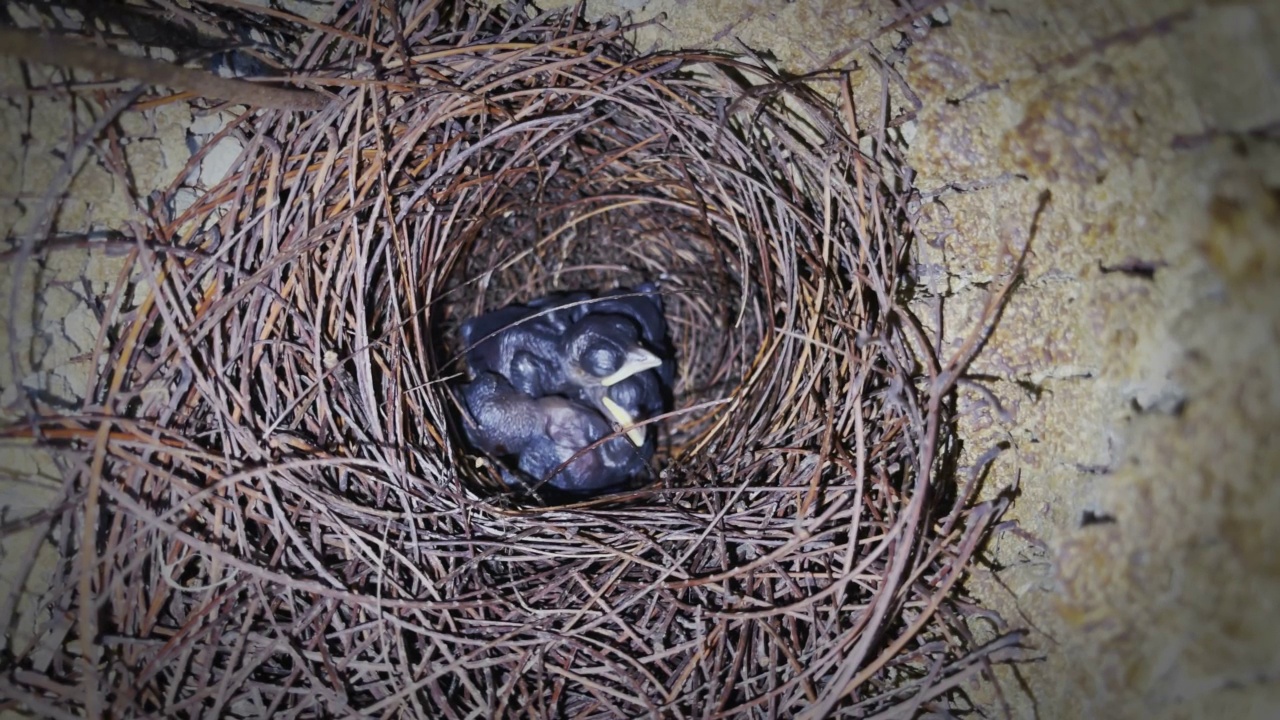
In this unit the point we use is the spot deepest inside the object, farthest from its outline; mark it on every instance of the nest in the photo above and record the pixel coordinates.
(282, 516)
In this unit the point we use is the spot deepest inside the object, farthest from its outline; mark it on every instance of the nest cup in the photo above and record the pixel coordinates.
(295, 510)
(587, 167)
(594, 183)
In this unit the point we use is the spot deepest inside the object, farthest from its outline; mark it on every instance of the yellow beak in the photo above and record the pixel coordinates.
(637, 360)
(634, 434)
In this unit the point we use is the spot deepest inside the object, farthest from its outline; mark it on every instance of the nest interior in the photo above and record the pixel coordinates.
(274, 510)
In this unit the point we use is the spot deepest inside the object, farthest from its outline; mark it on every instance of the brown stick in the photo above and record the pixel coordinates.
(68, 53)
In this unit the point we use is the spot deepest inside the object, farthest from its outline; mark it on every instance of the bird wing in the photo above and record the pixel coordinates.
(493, 341)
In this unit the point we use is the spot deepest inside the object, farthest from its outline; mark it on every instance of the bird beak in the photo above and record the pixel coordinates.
(638, 360)
(634, 434)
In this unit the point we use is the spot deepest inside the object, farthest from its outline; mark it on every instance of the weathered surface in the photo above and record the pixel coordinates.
(1142, 430)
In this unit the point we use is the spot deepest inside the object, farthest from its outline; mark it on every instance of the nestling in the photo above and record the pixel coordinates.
(551, 375)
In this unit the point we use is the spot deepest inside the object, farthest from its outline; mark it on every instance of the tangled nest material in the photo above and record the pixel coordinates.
(269, 506)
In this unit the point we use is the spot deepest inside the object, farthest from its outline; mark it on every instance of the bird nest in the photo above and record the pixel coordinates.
(274, 510)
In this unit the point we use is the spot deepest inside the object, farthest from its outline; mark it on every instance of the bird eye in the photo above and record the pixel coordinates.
(601, 360)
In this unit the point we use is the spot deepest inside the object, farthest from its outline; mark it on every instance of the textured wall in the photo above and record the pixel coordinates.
(1138, 405)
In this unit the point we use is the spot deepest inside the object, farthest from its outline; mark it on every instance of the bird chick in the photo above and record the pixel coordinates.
(604, 365)
(643, 306)
(638, 398)
(569, 428)
(517, 345)
(551, 315)
(539, 435)
(551, 377)
(496, 339)
(504, 418)
(603, 349)
(526, 346)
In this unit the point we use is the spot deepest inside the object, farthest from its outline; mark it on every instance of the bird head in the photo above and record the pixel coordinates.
(605, 350)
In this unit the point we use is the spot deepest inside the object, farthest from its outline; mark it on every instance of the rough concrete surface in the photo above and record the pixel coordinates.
(1137, 367)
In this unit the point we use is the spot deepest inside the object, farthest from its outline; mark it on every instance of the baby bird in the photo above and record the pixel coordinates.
(604, 350)
(643, 306)
(556, 313)
(596, 353)
(638, 398)
(503, 421)
(553, 377)
(605, 366)
(515, 344)
(542, 434)
(570, 429)
(551, 315)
